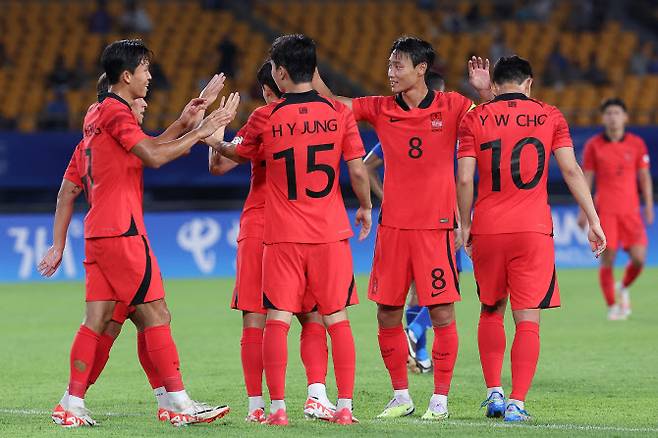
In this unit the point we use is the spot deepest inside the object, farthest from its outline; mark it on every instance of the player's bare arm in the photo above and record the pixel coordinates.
(63, 213)
(155, 155)
(322, 88)
(373, 163)
(646, 187)
(465, 175)
(589, 178)
(479, 77)
(573, 176)
(217, 165)
(361, 187)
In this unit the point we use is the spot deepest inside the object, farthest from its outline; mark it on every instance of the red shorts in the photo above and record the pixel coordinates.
(298, 274)
(623, 230)
(121, 312)
(518, 265)
(424, 256)
(122, 269)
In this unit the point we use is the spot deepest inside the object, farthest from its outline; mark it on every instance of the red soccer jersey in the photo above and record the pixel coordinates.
(615, 166)
(111, 176)
(252, 220)
(419, 155)
(512, 137)
(76, 164)
(303, 137)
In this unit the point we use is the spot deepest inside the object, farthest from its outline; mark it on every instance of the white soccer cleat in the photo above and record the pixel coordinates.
(615, 313)
(314, 409)
(624, 299)
(77, 417)
(198, 413)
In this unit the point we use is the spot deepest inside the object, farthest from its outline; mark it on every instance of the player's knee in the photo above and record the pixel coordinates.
(388, 316)
(112, 329)
(442, 314)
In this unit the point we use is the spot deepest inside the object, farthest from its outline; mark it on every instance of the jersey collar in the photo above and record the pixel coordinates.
(510, 96)
(609, 140)
(103, 96)
(424, 104)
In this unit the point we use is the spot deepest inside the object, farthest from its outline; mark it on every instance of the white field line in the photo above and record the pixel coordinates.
(40, 412)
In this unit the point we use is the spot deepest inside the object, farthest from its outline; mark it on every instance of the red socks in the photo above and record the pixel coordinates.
(394, 348)
(102, 356)
(164, 356)
(83, 353)
(607, 281)
(251, 352)
(491, 343)
(313, 349)
(631, 274)
(275, 357)
(525, 353)
(344, 356)
(147, 364)
(444, 353)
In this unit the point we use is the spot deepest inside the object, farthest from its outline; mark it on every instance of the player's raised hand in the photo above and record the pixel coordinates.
(50, 261)
(363, 218)
(478, 73)
(222, 116)
(212, 89)
(597, 240)
(192, 113)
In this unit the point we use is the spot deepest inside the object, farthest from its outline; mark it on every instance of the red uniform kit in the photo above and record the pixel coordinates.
(513, 254)
(615, 165)
(302, 138)
(118, 262)
(414, 238)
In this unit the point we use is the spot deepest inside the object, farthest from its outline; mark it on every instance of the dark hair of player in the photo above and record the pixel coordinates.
(102, 85)
(434, 81)
(296, 53)
(123, 55)
(613, 101)
(511, 69)
(264, 77)
(418, 50)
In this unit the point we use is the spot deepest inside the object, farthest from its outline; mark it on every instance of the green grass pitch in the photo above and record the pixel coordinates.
(595, 377)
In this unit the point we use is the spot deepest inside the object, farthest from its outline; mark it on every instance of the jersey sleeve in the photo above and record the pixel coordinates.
(464, 105)
(352, 145)
(72, 173)
(643, 161)
(249, 139)
(589, 159)
(367, 108)
(561, 135)
(123, 127)
(466, 138)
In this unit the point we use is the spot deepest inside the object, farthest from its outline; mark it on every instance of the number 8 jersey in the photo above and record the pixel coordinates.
(303, 137)
(512, 138)
(419, 154)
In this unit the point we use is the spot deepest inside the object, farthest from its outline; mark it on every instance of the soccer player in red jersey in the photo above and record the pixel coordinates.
(302, 137)
(415, 239)
(509, 140)
(248, 292)
(618, 160)
(119, 264)
(70, 189)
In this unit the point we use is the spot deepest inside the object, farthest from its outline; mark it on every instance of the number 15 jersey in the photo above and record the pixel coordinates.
(512, 138)
(303, 136)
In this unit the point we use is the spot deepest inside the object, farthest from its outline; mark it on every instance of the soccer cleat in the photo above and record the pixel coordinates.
(256, 416)
(58, 415)
(624, 299)
(495, 404)
(164, 414)
(314, 409)
(198, 413)
(77, 417)
(513, 413)
(615, 313)
(279, 418)
(397, 409)
(344, 417)
(424, 366)
(412, 342)
(435, 412)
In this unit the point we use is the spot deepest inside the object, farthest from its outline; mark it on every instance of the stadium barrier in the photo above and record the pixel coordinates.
(203, 244)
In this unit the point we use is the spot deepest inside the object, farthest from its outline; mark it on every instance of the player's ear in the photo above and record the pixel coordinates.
(125, 77)
(527, 85)
(421, 68)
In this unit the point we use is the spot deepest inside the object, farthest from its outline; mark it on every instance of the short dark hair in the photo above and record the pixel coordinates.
(511, 69)
(102, 85)
(296, 53)
(418, 50)
(434, 81)
(613, 101)
(264, 77)
(123, 55)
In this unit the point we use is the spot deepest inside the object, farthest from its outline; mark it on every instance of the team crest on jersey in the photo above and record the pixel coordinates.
(436, 121)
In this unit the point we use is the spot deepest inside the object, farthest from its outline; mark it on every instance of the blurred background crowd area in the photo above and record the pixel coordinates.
(581, 51)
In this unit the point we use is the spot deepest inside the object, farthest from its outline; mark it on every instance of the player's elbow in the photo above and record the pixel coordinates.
(572, 171)
(215, 170)
(358, 174)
